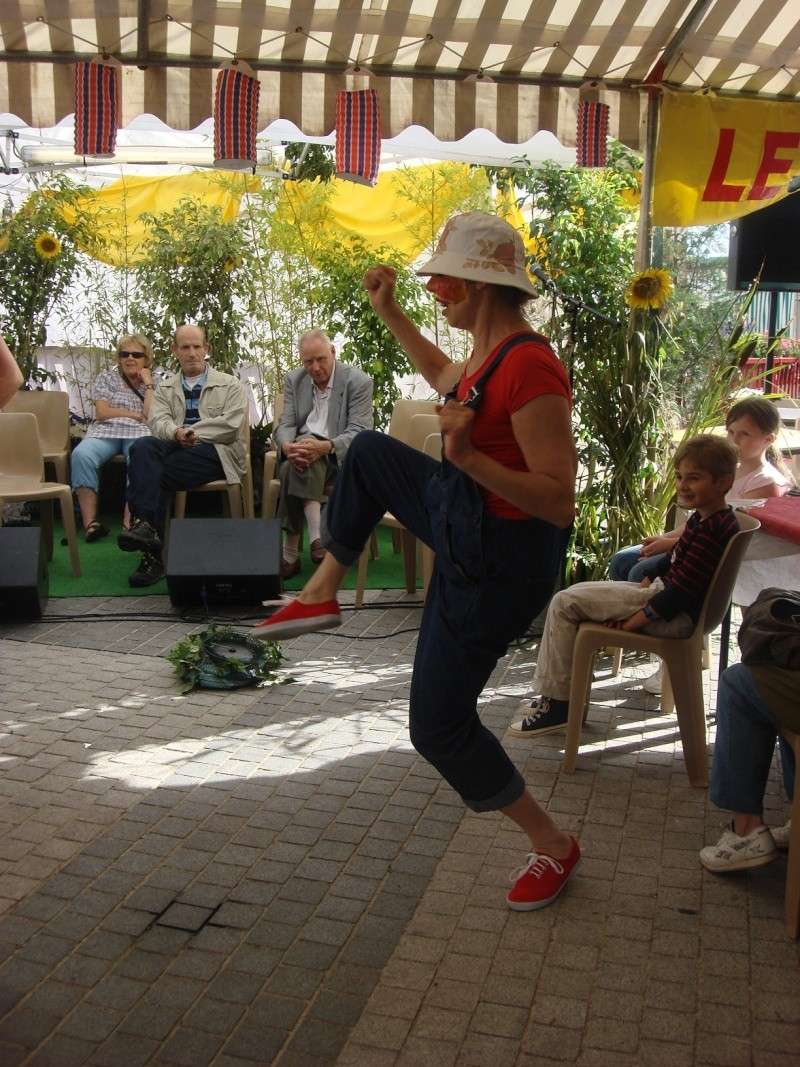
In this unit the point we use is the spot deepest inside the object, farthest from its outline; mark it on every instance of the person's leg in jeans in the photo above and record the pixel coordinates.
(85, 463)
(146, 460)
(186, 468)
(622, 561)
(381, 474)
(743, 751)
(157, 467)
(629, 565)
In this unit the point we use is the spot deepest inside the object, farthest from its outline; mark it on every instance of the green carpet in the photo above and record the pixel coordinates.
(106, 569)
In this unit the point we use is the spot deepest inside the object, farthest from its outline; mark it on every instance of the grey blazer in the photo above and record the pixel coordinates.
(349, 406)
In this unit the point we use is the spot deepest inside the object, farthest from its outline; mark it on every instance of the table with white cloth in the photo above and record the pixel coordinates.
(773, 555)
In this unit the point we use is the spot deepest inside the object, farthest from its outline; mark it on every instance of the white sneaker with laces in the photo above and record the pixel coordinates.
(736, 853)
(781, 835)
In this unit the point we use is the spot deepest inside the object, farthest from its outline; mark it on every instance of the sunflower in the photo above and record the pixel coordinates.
(47, 246)
(5, 241)
(649, 289)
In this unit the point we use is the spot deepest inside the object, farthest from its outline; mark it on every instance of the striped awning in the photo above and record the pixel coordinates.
(511, 66)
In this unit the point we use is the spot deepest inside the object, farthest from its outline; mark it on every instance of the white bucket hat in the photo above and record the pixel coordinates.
(481, 248)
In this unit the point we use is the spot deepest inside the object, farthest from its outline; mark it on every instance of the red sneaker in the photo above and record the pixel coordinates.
(541, 879)
(297, 618)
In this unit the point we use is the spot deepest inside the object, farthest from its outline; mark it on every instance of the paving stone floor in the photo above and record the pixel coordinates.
(274, 876)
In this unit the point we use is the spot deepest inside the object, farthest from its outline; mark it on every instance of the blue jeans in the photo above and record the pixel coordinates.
(629, 565)
(157, 469)
(491, 577)
(746, 733)
(91, 454)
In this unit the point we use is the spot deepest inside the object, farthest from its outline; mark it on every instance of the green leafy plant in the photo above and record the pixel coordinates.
(310, 161)
(345, 309)
(191, 273)
(202, 659)
(39, 258)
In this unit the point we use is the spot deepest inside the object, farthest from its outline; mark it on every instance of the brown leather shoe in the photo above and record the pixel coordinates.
(289, 570)
(316, 551)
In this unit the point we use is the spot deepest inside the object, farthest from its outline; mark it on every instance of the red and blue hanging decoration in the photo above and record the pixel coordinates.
(592, 134)
(358, 135)
(235, 117)
(97, 102)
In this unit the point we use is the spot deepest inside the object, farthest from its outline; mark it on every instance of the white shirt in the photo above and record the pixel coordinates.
(763, 477)
(317, 421)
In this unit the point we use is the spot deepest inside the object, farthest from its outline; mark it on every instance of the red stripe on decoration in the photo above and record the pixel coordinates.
(96, 108)
(592, 140)
(236, 97)
(358, 135)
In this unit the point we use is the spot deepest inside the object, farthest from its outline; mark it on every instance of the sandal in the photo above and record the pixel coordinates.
(95, 530)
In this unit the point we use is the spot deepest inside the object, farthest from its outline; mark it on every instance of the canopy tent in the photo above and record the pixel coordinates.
(511, 66)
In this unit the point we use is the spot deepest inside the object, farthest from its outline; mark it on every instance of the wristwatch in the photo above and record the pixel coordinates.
(649, 613)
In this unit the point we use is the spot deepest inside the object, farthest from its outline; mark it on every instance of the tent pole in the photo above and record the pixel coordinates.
(644, 236)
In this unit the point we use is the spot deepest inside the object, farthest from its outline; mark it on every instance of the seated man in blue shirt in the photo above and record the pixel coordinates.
(196, 422)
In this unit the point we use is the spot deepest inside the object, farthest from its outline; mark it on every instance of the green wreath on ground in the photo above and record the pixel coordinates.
(222, 658)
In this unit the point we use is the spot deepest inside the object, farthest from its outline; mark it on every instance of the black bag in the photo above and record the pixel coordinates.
(770, 630)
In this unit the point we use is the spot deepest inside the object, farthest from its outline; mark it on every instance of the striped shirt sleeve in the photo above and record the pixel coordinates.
(693, 564)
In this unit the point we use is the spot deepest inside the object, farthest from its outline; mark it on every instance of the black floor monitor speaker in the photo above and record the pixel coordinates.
(220, 561)
(24, 585)
(770, 237)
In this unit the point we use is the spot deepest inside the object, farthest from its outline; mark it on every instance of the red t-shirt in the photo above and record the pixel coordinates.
(529, 370)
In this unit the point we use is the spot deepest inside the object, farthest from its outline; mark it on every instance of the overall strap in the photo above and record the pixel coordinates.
(475, 394)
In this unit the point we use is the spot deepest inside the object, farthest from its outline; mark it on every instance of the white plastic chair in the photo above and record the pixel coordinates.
(21, 478)
(683, 678)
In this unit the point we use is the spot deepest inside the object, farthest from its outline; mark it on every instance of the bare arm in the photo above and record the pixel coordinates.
(763, 491)
(10, 374)
(546, 490)
(434, 366)
(105, 411)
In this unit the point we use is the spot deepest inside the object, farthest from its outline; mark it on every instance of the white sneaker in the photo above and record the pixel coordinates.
(735, 853)
(781, 834)
(652, 683)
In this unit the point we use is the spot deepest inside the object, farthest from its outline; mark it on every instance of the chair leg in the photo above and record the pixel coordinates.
(361, 575)
(616, 661)
(46, 518)
(247, 491)
(410, 561)
(68, 522)
(269, 507)
(61, 467)
(179, 506)
(580, 688)
(708, 654)
(234, 495)
(793, 864)
(686, 679)
(667, 694)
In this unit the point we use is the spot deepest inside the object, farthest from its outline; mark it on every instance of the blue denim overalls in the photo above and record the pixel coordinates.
(492, 576)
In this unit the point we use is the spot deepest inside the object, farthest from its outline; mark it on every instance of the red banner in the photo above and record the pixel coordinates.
(235, 117)
(358, 136)
(96, 108)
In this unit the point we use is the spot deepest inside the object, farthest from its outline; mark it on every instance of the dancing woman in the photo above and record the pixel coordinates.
(497, 512)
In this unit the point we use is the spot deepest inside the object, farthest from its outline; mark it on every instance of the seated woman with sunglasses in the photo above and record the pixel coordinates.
(122, 399)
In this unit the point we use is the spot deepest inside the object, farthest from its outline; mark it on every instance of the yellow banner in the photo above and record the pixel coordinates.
(721, 158)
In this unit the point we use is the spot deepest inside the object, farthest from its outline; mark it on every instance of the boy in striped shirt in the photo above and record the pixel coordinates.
(667, 605)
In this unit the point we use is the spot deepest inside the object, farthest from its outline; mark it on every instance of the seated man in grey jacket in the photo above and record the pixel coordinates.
(196, 421)
(325, 405)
